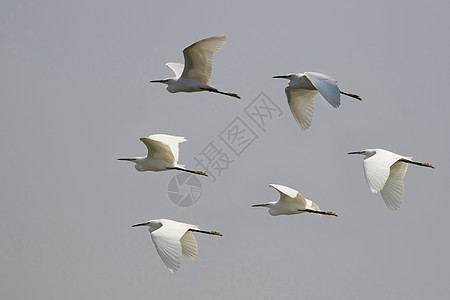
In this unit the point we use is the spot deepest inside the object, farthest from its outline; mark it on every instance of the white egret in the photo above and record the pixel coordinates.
(301, 90)
(162, 154)
(194, 75)
(384, 171)
(172, 238)
(291, 202)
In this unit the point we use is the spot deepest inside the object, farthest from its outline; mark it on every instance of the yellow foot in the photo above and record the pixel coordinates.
(234, 95)
(201, 173)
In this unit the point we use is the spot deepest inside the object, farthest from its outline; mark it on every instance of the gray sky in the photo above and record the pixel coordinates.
(75, 96)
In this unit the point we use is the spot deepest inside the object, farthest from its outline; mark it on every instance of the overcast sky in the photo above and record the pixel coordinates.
(75, 97)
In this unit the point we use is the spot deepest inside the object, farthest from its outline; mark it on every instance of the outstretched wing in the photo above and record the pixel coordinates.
(199, 57)
(158, 151)
(392, 191)
(167, 242)
(326, 86)
(163, 147)
(378, 167)
(301, 103)
(288, 195)
(177, 68)
(189, 245)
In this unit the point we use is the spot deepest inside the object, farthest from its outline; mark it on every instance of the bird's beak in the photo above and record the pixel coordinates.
(159, 81)
(141, 224)
(259, 205)
(127, 159)
(356, 152)
(282, 76)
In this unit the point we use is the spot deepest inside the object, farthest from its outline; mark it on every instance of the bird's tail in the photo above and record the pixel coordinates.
(351, 95)
(207, 232)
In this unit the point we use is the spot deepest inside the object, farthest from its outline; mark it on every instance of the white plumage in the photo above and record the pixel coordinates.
(384, 172)
(291, 202)
(301, 90)
(194, 75)
(172, 239)
(162, 154)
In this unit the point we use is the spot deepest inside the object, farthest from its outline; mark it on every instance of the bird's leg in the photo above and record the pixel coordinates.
(351, 95)
(191, 171)
(329, 213)
(220, 92)
(207, 232)
(417, 163)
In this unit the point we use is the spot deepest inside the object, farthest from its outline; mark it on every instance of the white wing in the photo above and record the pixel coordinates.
(392, 191)
(167, 242)
(199, 57)
(377, 168)
(177, 68)
(189, 246)
(288, 195)
(326, 86)
(163, 147)
(301, 103)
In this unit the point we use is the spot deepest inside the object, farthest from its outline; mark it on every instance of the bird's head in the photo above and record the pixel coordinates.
(139, 162)
(152, 225)
(136, 160)
(367, 152)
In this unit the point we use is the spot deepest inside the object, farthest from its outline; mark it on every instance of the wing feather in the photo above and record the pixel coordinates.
(189, 245)
(378, 167)
(301, 103)
(392, 191)
(199, 57)
(167, 242)
(326, 86)
(288, 195)
(163, 147)
(177, 68)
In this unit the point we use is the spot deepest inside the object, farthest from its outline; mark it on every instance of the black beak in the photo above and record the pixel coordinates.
(356, 152)
(159, 80)
(282, 76)
(127, 159)
(141, 224)
(259, 205)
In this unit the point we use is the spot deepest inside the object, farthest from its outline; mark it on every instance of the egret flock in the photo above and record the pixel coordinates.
(384, 170)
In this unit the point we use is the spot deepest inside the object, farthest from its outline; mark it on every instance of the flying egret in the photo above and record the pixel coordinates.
(301, 90)
(172, 238)
(384, 171)
(162, 154)
(194, 75)
(291, 203)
